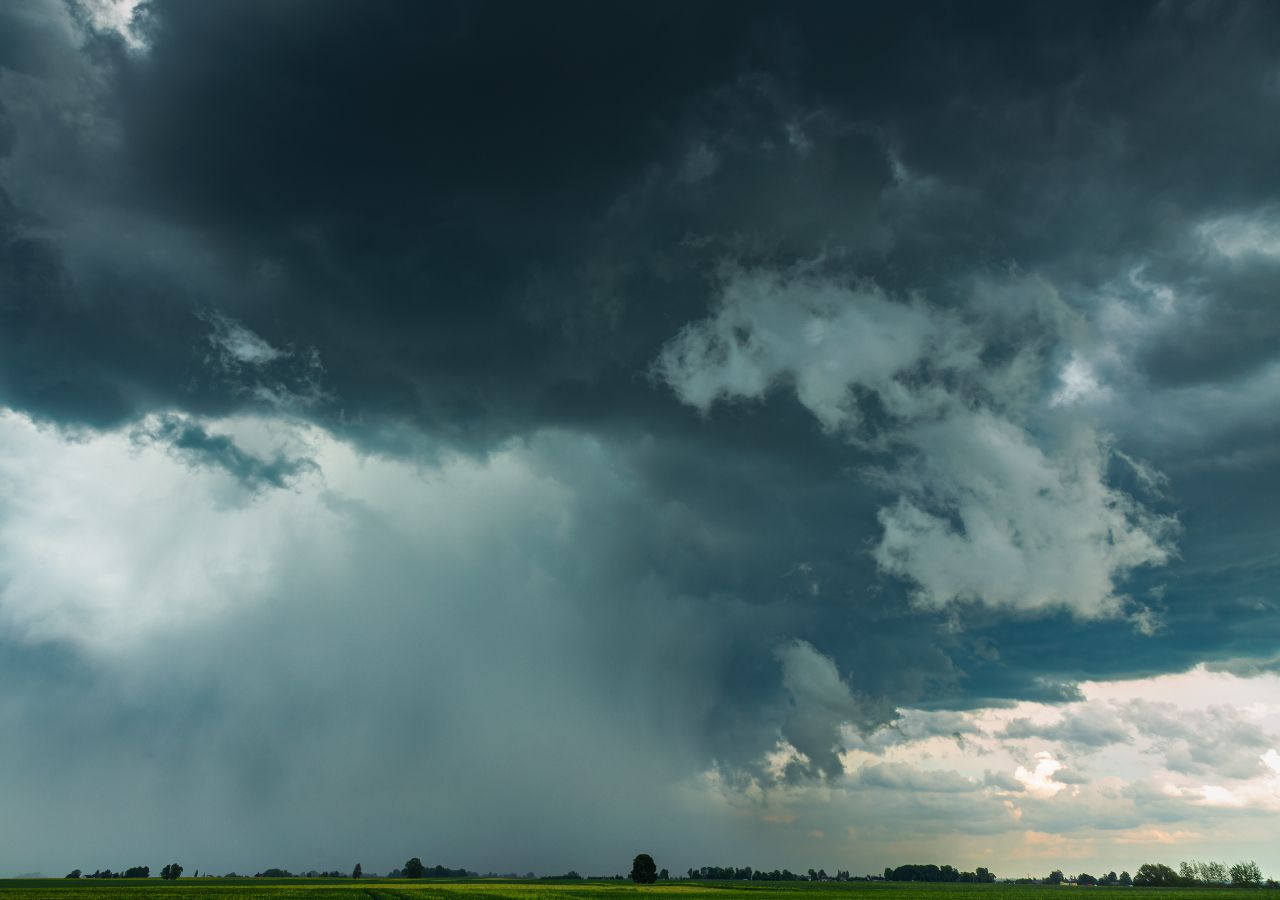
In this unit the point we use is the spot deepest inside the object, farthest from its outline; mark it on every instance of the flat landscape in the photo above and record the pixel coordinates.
(120, 889)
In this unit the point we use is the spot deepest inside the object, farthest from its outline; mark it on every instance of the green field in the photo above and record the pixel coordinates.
(317, 889)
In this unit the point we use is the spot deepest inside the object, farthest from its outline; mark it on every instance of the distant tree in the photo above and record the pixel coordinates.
(1086, 879)
(1156, 875)
(1212, 872)
(1126, 879)
(1055, 877)
(414, 868)
(1246, 874)
(664, 875)
(644, 870)
(917, 872)
(74, 873)
(984, 875)
(171, 872)
(138, 872)
(356, 872)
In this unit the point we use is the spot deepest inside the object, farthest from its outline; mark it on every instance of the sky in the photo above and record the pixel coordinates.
(526, 435)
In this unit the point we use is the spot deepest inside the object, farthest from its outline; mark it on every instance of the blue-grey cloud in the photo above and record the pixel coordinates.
(193, 442)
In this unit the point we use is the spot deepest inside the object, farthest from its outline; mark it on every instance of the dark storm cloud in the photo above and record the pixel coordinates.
(479, 214)
(438, 227)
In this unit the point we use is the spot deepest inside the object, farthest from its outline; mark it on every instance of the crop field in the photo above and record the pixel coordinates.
(479, 889)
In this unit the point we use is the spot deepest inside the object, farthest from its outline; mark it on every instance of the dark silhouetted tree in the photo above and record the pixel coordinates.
(664, 875)
(1126, 879)
(644, 870)
(414, 868)
(1055, 877)
(74, 873)
(1156, 875)
(171, 872)
(357, 872)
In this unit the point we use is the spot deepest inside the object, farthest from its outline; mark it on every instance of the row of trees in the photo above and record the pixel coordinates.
(415, 869)
(1188, 874)
(1056, 877)
(135, 872)
(746, 873)
(645, 871)
(930, 872)
(169, 873)
(917, 872)
(1192, 873)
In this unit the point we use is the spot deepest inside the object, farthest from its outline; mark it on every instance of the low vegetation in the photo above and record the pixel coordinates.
(1153, 881)
(484, 889)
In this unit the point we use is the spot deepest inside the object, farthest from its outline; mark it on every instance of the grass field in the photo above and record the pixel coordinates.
(474, 889)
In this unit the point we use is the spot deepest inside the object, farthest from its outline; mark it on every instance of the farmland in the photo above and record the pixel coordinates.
(483, 889)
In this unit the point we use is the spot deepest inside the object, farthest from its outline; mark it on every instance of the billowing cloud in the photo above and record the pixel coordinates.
(897, 776)
(821, 703)
(985, 513)
(1090, 725)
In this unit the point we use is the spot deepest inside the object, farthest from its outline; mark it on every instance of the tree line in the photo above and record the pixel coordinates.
(415, 869)
(1124, 879)
(747, 873)
(168, 873)
(1192, 873)
(931, 872)
(1188, 874)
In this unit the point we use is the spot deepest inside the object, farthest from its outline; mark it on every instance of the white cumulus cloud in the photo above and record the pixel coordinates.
(1003, 495)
